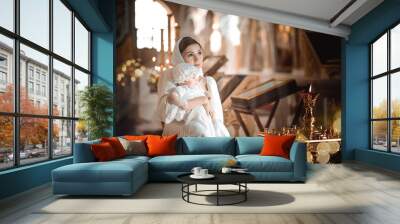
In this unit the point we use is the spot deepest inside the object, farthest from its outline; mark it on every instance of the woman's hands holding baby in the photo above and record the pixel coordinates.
(208, 108)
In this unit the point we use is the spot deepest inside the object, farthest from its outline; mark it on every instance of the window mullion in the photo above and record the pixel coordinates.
(73, 82)
(16, 69)
(389, 106)
(50, 81)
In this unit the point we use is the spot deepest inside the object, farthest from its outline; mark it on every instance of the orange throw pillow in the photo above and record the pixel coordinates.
(161, 145)
(103, 152)
(135, 137)
(276, 145)
(116, 145)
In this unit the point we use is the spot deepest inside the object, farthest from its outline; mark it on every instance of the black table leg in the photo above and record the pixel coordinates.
(245, 193)
(188, 190)
(217, 194)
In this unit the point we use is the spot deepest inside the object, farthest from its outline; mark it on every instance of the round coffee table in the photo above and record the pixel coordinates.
(238, 179)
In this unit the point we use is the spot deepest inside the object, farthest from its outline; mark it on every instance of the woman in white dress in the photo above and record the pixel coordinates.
(188, 50)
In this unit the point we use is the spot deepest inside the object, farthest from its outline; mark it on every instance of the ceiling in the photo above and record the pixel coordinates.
(333, 17)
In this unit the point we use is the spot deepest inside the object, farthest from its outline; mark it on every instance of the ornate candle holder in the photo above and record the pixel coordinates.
(309, 99)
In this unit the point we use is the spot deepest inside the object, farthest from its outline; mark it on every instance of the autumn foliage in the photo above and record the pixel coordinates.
(33, 130)
(380, 127)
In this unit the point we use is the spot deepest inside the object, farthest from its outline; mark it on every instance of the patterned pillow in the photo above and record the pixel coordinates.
(134, 147)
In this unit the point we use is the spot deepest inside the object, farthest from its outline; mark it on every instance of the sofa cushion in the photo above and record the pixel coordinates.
(111, 171)
(185, 163)
(277, 145)
(134, 147)
(103, 152)
(161, 145)
(116, 145)
(207, 145)
(257, 163)
(249, 145)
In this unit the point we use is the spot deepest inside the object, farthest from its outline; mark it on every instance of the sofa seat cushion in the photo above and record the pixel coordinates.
(185, 163)
(133, 158)
(206, 145)
(112, 171)
(257, 163)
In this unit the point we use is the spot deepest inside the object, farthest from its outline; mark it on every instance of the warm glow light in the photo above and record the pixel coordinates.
(153, 59)
(229, 26)
(215, 40)
(167, 61)
(150, 18)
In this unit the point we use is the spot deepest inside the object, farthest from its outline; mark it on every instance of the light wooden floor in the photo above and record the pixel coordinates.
(378, 188)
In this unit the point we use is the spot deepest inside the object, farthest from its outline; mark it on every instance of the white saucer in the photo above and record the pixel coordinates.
(208, 176)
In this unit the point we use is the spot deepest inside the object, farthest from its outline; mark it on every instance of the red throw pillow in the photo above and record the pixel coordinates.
(161, 145)
(103, 152)
(276, 145)
(116, 145)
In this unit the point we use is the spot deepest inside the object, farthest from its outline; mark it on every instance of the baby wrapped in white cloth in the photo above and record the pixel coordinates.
(200, 120)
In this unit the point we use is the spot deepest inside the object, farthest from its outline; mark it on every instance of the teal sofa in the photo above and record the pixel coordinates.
(125, 176)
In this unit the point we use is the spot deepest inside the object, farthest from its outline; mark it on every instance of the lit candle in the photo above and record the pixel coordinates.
(310, 89)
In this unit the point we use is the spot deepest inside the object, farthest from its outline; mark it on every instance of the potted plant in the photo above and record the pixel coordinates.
(96, 102)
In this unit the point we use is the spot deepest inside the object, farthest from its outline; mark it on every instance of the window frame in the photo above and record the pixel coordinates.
(16, 114)
(388, 74)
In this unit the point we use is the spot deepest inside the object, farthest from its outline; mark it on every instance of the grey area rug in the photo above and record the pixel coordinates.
(166, 198)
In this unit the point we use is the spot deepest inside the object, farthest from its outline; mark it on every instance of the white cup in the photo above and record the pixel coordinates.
(196, 171)
(226, 170)
(203, 172)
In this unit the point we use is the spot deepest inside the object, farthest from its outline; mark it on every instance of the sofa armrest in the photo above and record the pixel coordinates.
(298, 154)
(83, 152)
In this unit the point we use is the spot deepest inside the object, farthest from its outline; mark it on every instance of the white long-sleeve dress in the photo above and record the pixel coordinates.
(193, 126)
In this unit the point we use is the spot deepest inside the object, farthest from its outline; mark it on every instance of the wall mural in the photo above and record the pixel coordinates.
(230, 76)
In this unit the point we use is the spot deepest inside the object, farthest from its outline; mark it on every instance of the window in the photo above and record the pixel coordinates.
(43, 90)
(38, 89)
(62, 29)
(34, 21)
(7, 14)
(30, 87)
(81, 81)
(3, 78)
(37, 74)
(149, 25)
(45, 131)
(3, 61)
(6, 72)
(30, 72)
(62, 140)
(3, 72)
(43, 77)
(385, 94)
(62, 74)
(81, 45)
